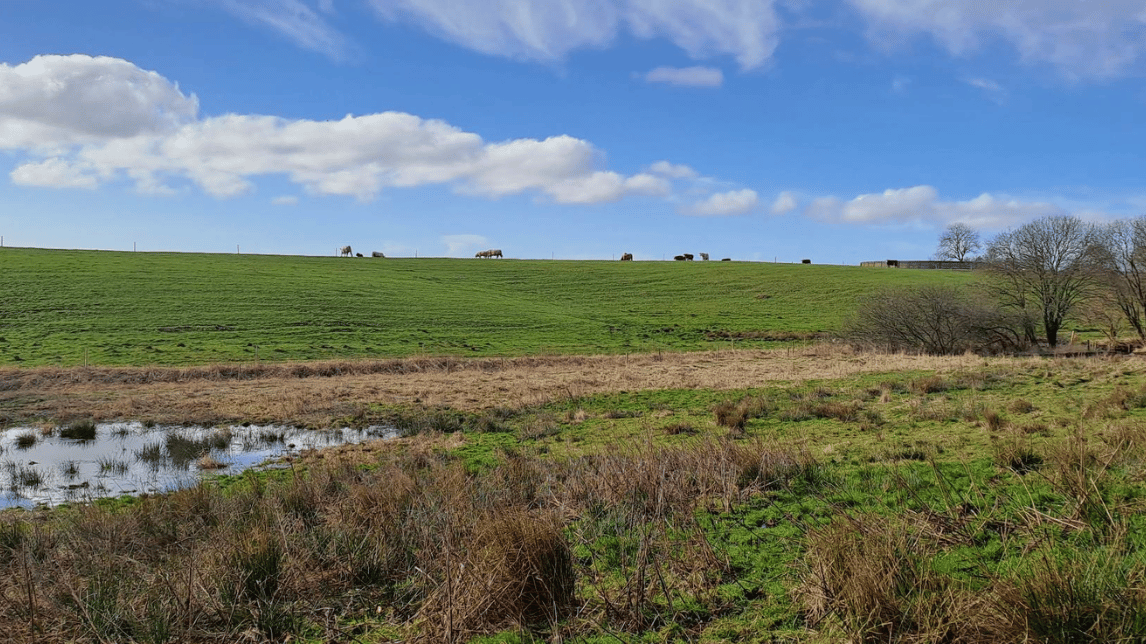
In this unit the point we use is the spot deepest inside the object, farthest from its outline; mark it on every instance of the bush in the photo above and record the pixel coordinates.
(940, 320)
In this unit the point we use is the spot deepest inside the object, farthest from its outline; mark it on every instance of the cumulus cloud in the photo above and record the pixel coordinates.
(547, 30)
(108, 120)
(53, 101)
(456, 244)
(1083, 39)
(921, 204)
(686, 76)
(733, 202)
(784, 204)
(672, 170)
(54, 173)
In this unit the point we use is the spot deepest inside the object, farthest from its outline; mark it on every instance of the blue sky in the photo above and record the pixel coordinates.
(769, 130)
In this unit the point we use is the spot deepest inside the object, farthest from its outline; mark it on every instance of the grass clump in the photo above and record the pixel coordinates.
(81, 430)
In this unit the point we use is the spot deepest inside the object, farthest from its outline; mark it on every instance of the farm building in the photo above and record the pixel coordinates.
(934, 264)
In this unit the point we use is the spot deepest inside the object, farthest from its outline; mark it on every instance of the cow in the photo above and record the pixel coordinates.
(679, 258)
(377, 254)
(358, 254)
(495, 252)
(726, 259)
(482, 253)
(627, 257)
(704, 256)
(346, 251)
(688, 256)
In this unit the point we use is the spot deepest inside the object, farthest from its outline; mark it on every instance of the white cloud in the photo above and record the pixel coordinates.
(672, 170)
(547, 30)
(53, 101)
(1083, 39)
(733, 202)
(54, 173)
(784, 204)
(992, 89)
(686, 76)
(285, 200)
(144, 130)
(921, 204)
(456, 244)
(295, 20)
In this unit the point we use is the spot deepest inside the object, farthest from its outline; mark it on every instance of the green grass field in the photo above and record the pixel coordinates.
(119, 308)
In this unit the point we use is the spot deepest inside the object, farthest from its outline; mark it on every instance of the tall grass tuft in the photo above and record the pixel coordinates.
(81, 430)
(517, 572)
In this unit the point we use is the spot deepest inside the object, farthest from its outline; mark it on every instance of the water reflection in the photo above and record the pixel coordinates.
(56, 465)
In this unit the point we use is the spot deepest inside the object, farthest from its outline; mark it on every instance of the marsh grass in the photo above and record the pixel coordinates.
(81, 430)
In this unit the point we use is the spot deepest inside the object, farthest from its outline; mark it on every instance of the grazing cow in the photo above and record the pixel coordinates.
(496, 253)
(679, 258)
(704, 256)
(627, 257)
(688, 256)
(358, 254)
(726, 259)
(377, 254)
(346, 251)
(482, 253)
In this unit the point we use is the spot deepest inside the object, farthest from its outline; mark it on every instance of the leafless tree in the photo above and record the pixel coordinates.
(957, 242)
(1124, 242)
(934, 319)
(1046, 268)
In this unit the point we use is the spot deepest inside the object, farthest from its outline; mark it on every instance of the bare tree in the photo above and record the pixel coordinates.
(1125, 244)
(1046, 268)
(934, 319)
(957, 242)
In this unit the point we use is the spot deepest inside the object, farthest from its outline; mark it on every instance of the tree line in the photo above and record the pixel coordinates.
(1036, 278)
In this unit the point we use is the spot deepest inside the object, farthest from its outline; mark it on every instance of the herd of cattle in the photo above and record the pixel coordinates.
(347, 251)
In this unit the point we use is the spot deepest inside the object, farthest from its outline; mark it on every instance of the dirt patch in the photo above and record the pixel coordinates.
(320, 393)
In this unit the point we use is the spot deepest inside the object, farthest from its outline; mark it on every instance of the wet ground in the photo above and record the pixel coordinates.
(52, 465)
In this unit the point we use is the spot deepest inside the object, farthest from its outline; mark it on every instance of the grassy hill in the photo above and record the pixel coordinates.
(121, 308)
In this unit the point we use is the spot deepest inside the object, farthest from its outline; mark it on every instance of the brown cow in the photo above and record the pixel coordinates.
(627, 257)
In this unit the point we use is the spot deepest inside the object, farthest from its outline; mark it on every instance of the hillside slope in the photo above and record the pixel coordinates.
(120, 308)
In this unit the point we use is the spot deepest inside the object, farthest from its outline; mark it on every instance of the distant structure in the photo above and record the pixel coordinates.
(930, 264)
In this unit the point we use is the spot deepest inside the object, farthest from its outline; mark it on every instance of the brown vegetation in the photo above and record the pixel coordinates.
(321, 393)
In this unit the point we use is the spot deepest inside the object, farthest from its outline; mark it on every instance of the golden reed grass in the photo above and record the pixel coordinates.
(316, 393)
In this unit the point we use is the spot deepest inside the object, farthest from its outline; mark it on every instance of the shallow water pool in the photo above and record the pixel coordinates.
(40, 466)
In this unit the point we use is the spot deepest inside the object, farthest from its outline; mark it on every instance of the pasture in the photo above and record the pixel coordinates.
(121, 308)
(591, 452)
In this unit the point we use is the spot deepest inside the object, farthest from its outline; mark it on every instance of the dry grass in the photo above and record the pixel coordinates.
(317, 393)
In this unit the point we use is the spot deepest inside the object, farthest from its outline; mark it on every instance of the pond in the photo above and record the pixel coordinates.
(53, 465)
